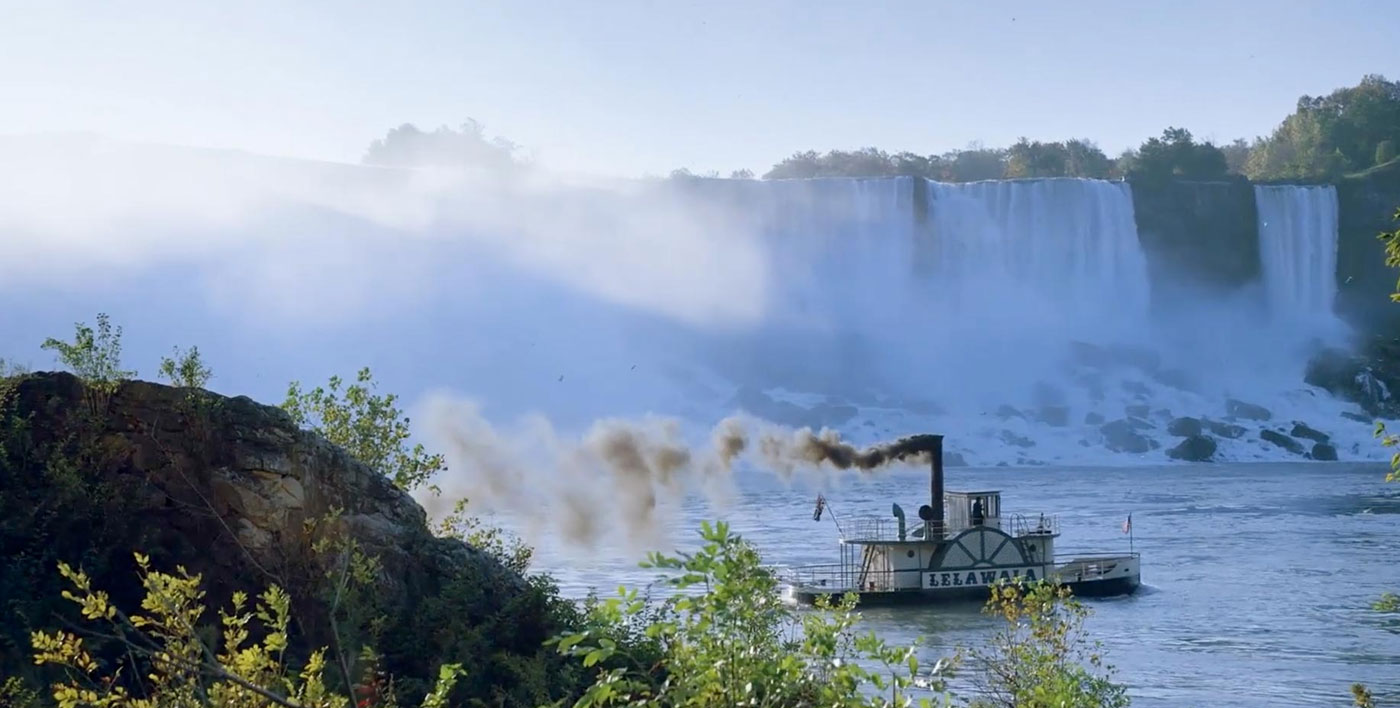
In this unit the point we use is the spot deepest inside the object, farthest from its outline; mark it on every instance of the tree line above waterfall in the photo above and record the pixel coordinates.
(1327, 137)
(1351, 129)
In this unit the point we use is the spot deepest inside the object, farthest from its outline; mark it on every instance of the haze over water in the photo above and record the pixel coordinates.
(973, 310)
(1257, 578)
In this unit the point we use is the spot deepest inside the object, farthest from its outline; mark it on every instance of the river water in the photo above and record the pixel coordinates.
(1257, 578)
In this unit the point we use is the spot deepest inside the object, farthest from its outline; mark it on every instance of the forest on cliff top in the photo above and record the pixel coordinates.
(1352, 129)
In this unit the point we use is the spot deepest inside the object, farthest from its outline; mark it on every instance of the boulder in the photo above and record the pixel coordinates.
(1140, 410)
(1239, 409)
(1358, 417)
(1303, 430)
(1006, 411)
(1368, 377)
(1324, 452)
(1092, 418)
(1139, 423)
(1044, 394)
(1220, 428)
(1137, 388)
(1122, 436)
(1011, 438)
(1057, 416)
(1196, 448)
(1282, 441)
(1184, 427)
(1175, 378)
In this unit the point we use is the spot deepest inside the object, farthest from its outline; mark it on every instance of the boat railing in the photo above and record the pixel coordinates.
(1039, 525)
(868, 529)
(835, 577)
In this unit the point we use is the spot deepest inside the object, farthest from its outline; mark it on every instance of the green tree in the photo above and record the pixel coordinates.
(1385, 151)
(1036, 159)
(407, 146)
(367, 425)
(971, 165)
(1328, 136)
(95, 357)
(1085, 159)
(1237, 156)
(724, 638)
(1177, 154)
(1041, 656)
(185, 369)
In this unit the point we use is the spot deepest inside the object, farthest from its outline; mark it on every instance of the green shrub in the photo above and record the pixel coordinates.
(368, 426)
(726, 639)
(166, 651)
(185, 369)
(94, 356)
(1041, 656)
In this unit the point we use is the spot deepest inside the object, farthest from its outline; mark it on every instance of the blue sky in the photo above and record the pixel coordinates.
(627, 87)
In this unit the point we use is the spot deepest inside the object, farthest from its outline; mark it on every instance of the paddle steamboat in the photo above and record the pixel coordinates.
(960, 545)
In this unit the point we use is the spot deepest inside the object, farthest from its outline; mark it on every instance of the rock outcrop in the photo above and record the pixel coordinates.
(233, 491)
(1369, 377)
(1220, 428)
(1184, 427)
(1122, 436)
(1248, 411)
(1282, 441)
(1324, 452)
(1196, 448)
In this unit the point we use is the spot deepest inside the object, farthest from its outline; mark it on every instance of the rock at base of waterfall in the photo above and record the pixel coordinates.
(1282, 441)
(1239, 409)
(1324, 452)
(1184, 427)
(1196, 448)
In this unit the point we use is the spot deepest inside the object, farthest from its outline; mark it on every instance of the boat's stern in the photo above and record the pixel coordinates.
(1101, 575)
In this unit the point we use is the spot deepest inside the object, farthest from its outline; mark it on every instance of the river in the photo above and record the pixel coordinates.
(1257, 578)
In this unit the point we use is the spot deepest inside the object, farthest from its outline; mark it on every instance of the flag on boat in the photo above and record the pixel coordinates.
(821, 504)
(1128, 525)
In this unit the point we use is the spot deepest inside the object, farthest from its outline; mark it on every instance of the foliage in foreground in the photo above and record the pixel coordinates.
(1041, 656)
(1389, 602)
(725, 638)
(177, 668)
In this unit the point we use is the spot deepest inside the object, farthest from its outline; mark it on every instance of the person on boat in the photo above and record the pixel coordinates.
(977, 514)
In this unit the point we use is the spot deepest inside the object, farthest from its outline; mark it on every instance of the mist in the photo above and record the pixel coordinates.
(1008, 315)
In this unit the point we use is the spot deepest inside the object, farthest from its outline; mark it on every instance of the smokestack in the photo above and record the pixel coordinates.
(936, 484)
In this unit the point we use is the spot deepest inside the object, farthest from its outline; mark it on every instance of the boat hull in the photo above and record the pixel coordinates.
(1098, 588)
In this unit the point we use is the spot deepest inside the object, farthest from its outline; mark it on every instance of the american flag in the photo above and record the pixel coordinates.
(821, 504)
(1128, 525)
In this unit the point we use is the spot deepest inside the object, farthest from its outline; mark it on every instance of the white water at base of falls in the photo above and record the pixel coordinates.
(964, 315)
(1298, 253)
(878, 307)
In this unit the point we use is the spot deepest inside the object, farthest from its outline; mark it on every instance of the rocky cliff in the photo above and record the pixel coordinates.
(1198, 236)
(234, 491)
(1366, 206)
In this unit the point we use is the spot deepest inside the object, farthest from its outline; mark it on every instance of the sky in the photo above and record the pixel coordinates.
(629, 87)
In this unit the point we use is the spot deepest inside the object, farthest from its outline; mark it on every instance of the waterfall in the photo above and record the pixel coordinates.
(1066, 248)
(1298, 252)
